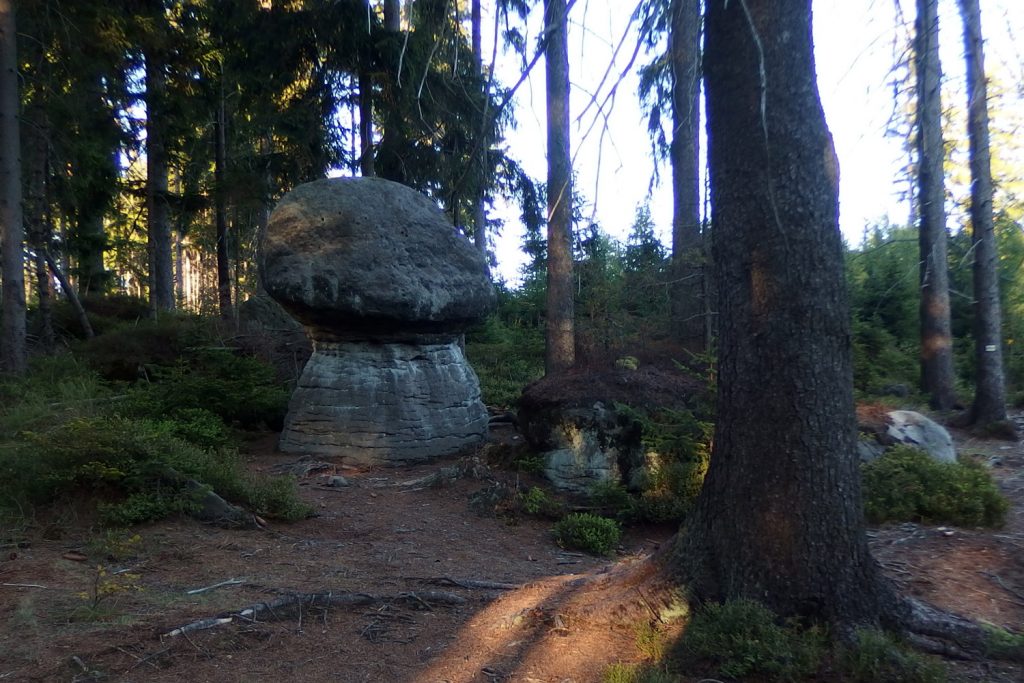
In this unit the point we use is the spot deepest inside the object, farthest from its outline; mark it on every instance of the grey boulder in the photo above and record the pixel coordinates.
(370, 258)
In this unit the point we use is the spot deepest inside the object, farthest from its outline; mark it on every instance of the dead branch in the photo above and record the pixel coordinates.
(473, 583)
(289, 606)
(229, 582)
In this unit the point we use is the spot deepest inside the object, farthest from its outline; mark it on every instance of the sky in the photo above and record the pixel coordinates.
(857, 41)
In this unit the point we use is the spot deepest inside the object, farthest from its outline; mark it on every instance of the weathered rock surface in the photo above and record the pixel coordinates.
(366, 258)
(575, 422)
(383, 285)
(914, 429)
(880, 430)
(374, 403)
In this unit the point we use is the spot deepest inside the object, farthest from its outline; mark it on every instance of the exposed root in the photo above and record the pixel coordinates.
(950, 635)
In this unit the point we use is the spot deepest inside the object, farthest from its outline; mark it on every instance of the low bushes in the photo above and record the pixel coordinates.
(129, 451)
(905, 484)
(588, 532)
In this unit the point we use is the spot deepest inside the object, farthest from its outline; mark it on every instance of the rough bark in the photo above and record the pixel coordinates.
(559, 333)
(390, 162)
(76, 303)
(36, 138)
(161, 273)
(687, 251)
(936, 334)
(221, 211)
(779, 519)
(479, 201)
(366, 161)
(990, 386)
(13, 357)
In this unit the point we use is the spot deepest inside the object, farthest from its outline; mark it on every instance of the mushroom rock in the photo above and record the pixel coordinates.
(384, 286)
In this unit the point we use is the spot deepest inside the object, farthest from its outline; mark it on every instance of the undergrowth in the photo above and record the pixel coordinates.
(127, 449)
(905, 484)
(744, 638)
(588, 532)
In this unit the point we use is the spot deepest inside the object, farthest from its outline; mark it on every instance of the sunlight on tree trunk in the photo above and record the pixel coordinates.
(936, 335)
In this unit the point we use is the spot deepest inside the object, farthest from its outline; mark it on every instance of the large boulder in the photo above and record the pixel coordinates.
(584, 422)
(384, 286)
(880, 429)
(369, 258)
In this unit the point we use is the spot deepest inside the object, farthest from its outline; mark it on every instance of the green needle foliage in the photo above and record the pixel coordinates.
(905, 484)
(588, 532)
(127, 452)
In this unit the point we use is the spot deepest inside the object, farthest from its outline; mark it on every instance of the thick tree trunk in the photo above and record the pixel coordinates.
(687, 251)
(13, 355)
(221, 211)
(161, 274)
(936, 334)
(779, 519)
(559, 333)
(990, 385)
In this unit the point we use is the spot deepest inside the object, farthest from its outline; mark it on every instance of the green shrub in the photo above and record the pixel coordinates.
(905, 484)
(744, 638)
(588, 532)
(239, 389)
(537, 502)
(506, 357)
(123, 465)
(130, 350)
(635, 673)
(876, 657)
(678, 451)
(1003, 644)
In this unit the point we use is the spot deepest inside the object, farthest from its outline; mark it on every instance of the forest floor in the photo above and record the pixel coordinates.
(423, 589)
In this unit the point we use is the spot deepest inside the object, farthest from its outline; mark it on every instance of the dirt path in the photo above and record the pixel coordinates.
(417, 552)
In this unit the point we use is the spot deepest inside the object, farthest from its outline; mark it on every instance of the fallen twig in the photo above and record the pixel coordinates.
(24, 585)
(473, 583)
(229, 582)
(286, 605)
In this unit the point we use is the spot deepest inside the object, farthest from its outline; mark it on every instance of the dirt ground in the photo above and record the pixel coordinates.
(405, 583)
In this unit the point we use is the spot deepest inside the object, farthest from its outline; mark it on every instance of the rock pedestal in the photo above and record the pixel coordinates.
(384, 286)
(380, 402)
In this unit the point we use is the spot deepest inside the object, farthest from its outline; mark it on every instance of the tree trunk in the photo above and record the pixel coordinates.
(936, 335)
(687, 252)
(161, 274)
(220, 171)
(779, 519)
(479, 201)
(13, 354)
(76, 303)
(390, 162)
(366, 165)
(990, 389)
(559, 334)
(35, 134)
